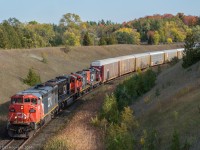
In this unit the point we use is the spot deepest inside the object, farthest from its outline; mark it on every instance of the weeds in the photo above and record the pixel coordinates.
(95, 121)
(58, 143)
(157, 92)
(44, 58)
(147, 99)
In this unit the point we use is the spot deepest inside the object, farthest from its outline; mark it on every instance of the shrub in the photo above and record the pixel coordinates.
(109, 110)
(134, 87)
(157, 93)
(44, 58)
(32, 78)
(174, 61)
(175, 145)
(119, 138)
(151, 140)
(128, 119)
(95, 121)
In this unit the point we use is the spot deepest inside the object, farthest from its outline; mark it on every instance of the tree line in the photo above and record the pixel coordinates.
(72, 31)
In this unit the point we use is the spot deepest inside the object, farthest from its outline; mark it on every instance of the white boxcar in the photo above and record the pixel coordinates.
(142, 60)
(180, 53)
(126, 64)
(170, 54)
(157, 58)
(109, 68)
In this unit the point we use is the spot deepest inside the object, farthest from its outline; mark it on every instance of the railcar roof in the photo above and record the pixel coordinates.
(104, 61)
(141, 54)
(170, 51)
(180, 49)
(157, 52)
(125, 57)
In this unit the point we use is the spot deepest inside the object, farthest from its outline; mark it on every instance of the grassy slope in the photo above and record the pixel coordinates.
(14, 65)
(175, 107)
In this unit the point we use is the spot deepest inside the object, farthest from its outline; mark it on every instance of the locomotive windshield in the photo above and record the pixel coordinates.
(16, 100)
(26, 100)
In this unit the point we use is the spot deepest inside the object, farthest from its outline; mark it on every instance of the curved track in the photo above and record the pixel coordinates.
(14, 144)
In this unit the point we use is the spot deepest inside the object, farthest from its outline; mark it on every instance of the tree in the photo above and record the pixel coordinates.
(70, 20)
(156, 38)
(4, 41)
(191, 55)
(169, 41)
(110, 110)
(71, 38)
(102, 41)
(150, 35)
(196, 33)
(87, 40)
(32, 78)
(127, 36)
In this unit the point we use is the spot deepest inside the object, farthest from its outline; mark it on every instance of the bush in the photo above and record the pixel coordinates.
(175, 141)
(119, 138)
(109, 110)
(128, 119)
(134, 87)
(44, 58)
(151, 140)
(32, 78)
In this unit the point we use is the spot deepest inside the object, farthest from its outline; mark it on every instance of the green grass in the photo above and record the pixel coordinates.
(181, 114)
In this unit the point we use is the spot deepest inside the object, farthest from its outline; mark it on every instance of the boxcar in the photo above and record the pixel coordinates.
(170, 54)
(157, 58)
(142, 60)
(180, 53)
(126, 64)
(109, 68)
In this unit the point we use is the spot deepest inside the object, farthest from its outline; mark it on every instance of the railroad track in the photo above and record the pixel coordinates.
(18, 144)
(13, 144)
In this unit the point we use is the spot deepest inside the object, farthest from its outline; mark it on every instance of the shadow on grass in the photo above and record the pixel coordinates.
(3, 119)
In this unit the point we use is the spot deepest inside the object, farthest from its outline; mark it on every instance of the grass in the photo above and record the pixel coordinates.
(180, 115)
(57, 143)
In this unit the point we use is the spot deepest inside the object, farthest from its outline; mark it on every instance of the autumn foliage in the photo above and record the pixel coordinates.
(72, 31)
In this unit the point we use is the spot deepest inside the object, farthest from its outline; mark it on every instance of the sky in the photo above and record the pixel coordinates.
(51, 11)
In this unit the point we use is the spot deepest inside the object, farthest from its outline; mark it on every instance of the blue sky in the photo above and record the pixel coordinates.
(50, 11)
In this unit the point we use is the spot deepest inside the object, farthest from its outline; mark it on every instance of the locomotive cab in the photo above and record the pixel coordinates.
(24, 115)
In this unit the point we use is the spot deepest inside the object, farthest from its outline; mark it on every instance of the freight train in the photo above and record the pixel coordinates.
(31, 109)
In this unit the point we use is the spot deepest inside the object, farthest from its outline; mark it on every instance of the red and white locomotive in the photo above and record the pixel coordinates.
(32, 108)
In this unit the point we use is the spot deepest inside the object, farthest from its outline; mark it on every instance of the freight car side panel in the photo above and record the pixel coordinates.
(110, 71)
(157, 58)
(180, 53)
(170, 54)
(142, 61)
(126, 65)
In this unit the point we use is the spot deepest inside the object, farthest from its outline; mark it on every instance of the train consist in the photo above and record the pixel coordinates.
(32, 108)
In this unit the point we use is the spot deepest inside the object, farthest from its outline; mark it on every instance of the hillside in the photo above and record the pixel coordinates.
(14, 64)
(173, 104)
